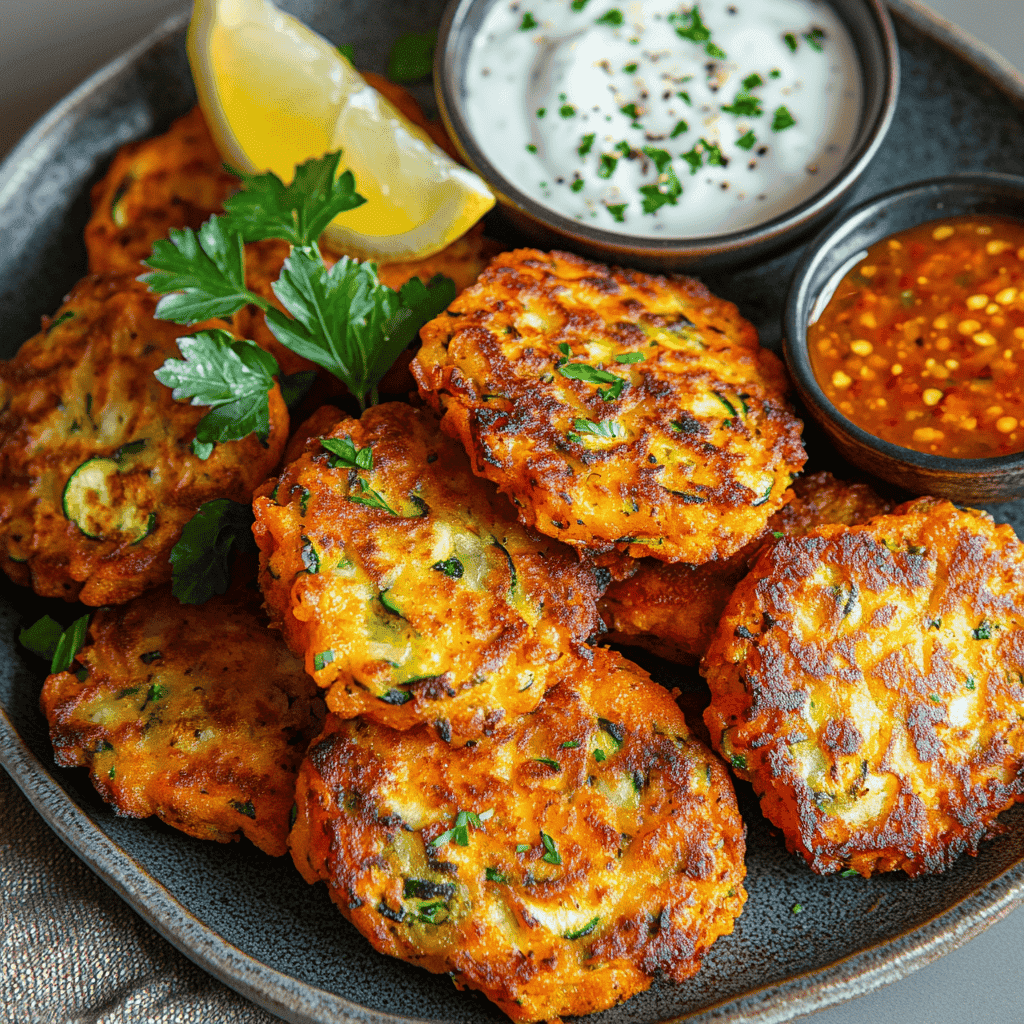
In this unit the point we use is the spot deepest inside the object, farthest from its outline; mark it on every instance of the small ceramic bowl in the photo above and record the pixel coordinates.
(828, 257)
(870, 29)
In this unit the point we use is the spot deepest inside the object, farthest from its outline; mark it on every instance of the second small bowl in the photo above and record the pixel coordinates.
(827, 257)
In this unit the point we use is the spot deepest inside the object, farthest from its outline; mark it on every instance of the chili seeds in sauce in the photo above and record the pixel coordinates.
(922, 343)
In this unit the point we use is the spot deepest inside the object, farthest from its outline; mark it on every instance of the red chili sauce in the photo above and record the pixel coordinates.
(922, 343)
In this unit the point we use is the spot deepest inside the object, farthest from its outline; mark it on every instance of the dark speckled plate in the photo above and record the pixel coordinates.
(252, 921)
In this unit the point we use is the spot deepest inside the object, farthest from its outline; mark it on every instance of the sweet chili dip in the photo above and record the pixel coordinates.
(922, 343)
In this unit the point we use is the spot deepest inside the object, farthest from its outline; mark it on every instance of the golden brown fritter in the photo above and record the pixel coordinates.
(869, 682)
(614, 407)
(97, 475)
(674, 610)
(409, 588)
(605, 845)
(174, 180)
(462, 261)
(199, 715)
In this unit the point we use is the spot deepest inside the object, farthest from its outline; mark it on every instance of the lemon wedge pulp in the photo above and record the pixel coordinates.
(275, 93)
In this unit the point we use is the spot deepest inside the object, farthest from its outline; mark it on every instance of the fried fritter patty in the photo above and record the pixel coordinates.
(869, 682)
(557, 868)
(409, 588)
(199, 715)
(614, 407)
(674, 610)
(174, 180)
(97, 475)
(462, 261)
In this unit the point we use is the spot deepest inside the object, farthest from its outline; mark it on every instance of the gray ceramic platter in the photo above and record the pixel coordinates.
(252, 921)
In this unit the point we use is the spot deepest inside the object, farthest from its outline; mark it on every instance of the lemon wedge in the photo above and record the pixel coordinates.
(275, 93)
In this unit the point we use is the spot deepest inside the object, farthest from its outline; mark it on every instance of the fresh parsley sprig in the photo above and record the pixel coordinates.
(46, 638)
(343, 319)
(233, 377)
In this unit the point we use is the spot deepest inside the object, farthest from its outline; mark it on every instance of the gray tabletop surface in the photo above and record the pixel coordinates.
(46, 48)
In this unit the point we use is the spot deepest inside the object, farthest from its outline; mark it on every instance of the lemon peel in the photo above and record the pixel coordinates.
(275, 93)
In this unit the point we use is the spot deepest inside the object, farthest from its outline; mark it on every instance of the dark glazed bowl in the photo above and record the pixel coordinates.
(827, 259)
(871, 31)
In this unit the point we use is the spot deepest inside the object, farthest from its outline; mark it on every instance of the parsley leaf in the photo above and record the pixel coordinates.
(371, 498)
(662, 193)
(747, 141)
(459, 832)
(696, 31)
(745, 105)
(618, 212)
(234, 377)
(578, 933)
(46, 639)
(204, 271)
(660, 157)
(528, 22)
(200, 560)
(346, 454)
(612, 17)
(412, 57)
(783, 119)
(606, 428)
(298, 213)
(586, 144)
(346, 321)
(551, 855)
(587, 373)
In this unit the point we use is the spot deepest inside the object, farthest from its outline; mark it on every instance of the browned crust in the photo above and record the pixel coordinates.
(649, 841)
(694, 491)
(674, 610)
(81, 388)
(467, 653)
(869, 681)
(198, 715)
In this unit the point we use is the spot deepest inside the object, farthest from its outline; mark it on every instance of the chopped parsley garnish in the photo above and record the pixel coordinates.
(775, 73)
(600, 756)
(714, 51)
(685, 97)
(747, 141)
(451, 567)
(610, 17)
(566, 110)
(428, 912)
(984, 630)
(46, 639)
(738, 761)
(346, 454)
(588, 374)
(663, 193)
(694, 158)
(310, 557)
(412, 57)
(459, 832)
(752, 81)
(586, 144)
(680, 128)
(322, 659)
(606, 428)
(630, 69)
(569, 745)
(494, 875)
(528, 22)
(713, 153)
(696, 31)
(200, 561)
(849, 873)
(522, 848)
(348, 52)
(551, 854)
(660, 157)
(368, 496)
(618, 212)
(156, 692)
(798, 908)
(934, 698)
(549, 762)
(782, 120)
(790, 40)
(578, 5)
(745, 105)
(586, 929)
(531, 148)
(630, 357)
(630, 110)
(541, 111)
(814, 38)
(577, 184)
(969, 683)
(607, 166)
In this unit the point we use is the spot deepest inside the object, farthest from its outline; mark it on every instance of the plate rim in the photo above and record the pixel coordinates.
(301, 1002)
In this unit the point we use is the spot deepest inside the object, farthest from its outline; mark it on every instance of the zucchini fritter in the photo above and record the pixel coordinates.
(557, 868)
(673, 610)
(174, 180)
(200, 716)
(869, 682)
(614, 407)
(407, 585)
(97, 475)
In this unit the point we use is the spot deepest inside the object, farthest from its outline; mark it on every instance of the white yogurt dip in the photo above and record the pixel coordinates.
(664, 120)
